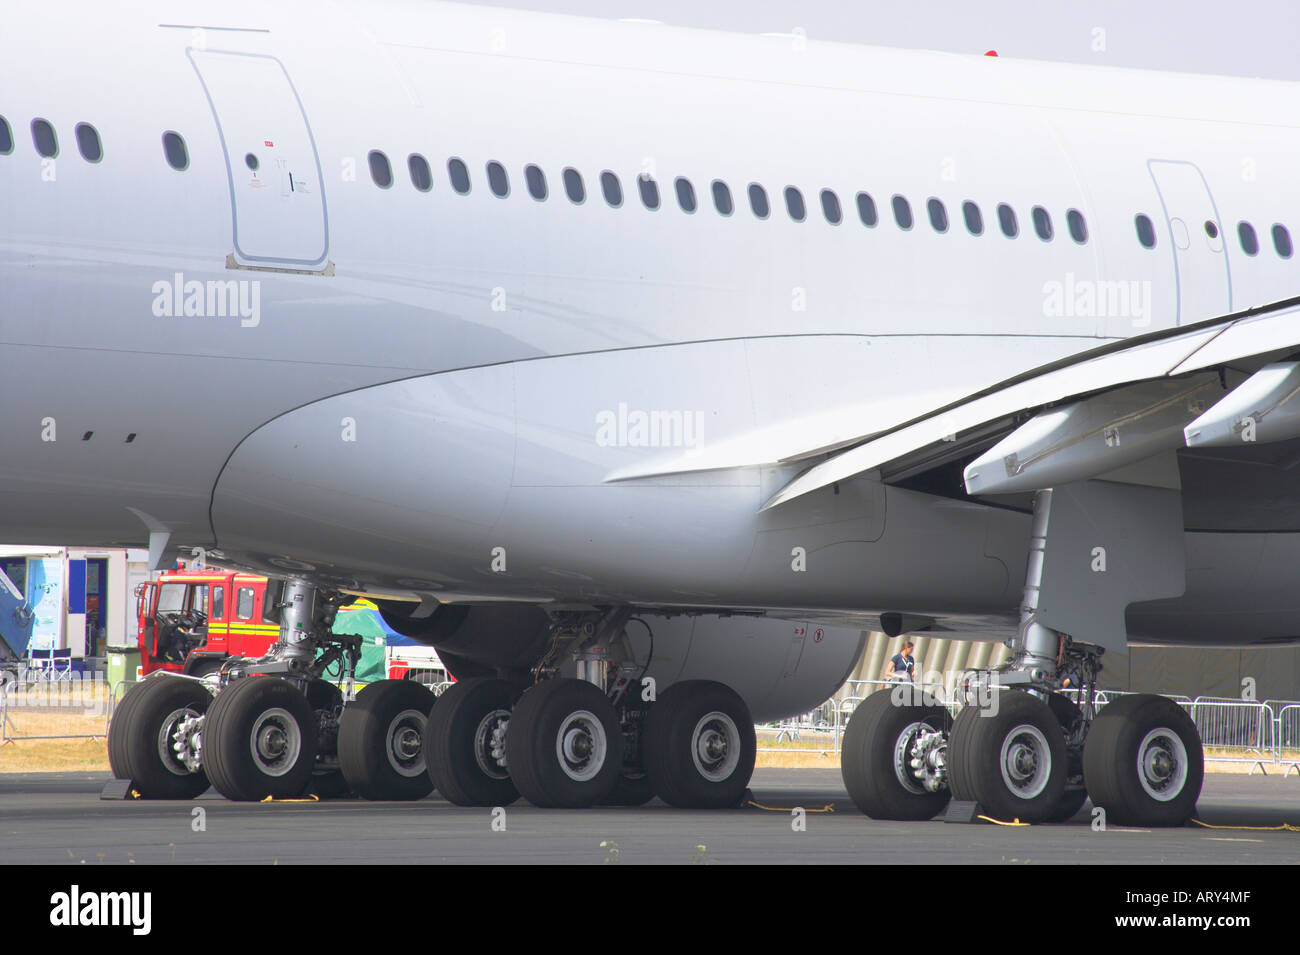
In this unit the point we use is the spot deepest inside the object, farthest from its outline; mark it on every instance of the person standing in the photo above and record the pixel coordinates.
(902, 665)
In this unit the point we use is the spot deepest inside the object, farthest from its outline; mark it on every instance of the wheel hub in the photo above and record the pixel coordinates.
(716, 749)
(919, 758)
(405, 743)
(581, 745)
(1026, 761)
(490, 744)
(275, 742)
(178, 741)
(1162, 764)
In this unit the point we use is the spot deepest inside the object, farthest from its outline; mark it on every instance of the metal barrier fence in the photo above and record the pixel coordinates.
(55, 709)
(1231, 730)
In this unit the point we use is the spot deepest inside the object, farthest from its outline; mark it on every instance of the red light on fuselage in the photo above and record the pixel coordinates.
(991, 53)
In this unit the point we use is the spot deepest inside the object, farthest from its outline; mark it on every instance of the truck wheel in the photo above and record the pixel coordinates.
(464, 743)
(700, 745)
(381, 741)
(260, 740)
(158, 747)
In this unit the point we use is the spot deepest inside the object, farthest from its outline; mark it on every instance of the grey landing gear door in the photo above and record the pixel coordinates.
(276, 193)
(1195, 235)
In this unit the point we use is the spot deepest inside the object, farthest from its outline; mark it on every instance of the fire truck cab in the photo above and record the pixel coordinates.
(190, 621)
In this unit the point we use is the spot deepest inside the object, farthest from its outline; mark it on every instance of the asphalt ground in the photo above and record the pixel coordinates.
(53, 818)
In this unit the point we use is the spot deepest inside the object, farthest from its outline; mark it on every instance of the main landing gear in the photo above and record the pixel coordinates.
(1019, 747)
(573, 742)
(272, 727)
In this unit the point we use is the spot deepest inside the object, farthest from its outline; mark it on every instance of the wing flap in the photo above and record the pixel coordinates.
(1215, 343)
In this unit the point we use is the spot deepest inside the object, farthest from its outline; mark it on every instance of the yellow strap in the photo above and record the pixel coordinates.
(312, 798)
(757, 805)
(999, 822)
(1285, 827)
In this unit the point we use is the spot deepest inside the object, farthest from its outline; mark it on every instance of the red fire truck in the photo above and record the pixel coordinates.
(190, 621)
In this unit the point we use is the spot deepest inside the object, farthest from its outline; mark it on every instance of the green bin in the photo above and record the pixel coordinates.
(122, 664)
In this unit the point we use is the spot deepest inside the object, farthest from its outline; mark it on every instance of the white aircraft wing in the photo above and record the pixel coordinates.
(1172, 356)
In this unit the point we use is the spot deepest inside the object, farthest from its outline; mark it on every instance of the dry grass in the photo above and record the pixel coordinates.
(58, 709)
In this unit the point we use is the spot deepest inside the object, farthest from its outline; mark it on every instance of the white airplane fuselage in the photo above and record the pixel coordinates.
(427, 392)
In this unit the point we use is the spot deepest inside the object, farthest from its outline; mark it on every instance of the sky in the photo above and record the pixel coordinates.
(1238, 38)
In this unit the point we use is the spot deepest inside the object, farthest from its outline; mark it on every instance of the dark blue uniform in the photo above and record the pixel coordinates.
(903, 665)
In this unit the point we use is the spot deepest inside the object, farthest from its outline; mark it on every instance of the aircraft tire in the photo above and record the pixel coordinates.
(1010, 759)
(260, 740)
(1143, 762)
(874, 757)
(700, 745)
(119, 729)
(146, 738)
(459, 742)
(381, 741)
(565, 746)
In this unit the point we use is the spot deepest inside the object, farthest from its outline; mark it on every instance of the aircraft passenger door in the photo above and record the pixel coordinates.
(1195, 236)
(276, 191)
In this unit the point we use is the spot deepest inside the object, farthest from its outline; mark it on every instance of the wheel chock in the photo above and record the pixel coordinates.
(963, 810)
(117, 789)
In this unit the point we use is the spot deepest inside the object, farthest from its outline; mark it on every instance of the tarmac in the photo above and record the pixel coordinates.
(59, 818)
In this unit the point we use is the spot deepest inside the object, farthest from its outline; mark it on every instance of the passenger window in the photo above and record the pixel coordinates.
(421, 174)
(794, 204)
(88, 144)
(831, 207)
(497, 180)
(536, 180)
(6, 137)
(938, 215)
(218, 602)
(573, 186)
(722, 198)
(380, 171)
(867, 210)
(1249, 242)
(974, 218)
(612, 188)
(1146, 232)
(649, 191)
(244, 603)
(758, 200)
(1042, 223)
(685, 194)
(47, 144)
(1007, 221)
(459, 175)
(178, 156)
(902, 212)
(1078, 228)
(1282, 241)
